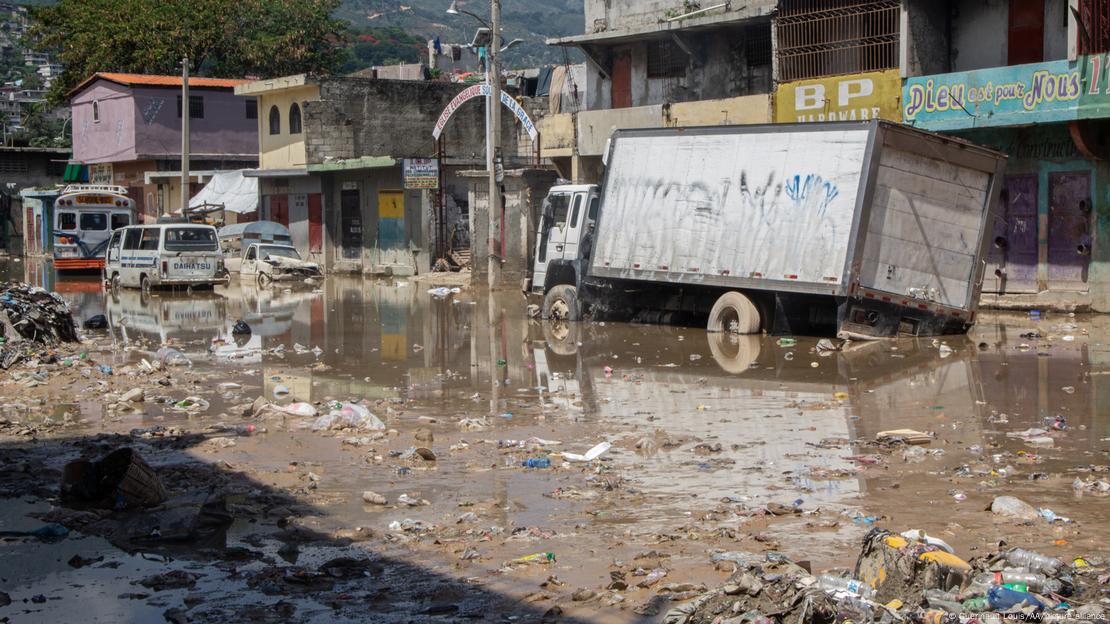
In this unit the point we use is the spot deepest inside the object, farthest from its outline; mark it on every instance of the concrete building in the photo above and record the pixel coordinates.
(654, 64)
(127, 131)
(363, 150)
(23, 169)
(1027, 77)
(289, 194)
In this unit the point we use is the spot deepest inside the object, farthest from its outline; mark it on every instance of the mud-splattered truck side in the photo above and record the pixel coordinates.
(860, 229)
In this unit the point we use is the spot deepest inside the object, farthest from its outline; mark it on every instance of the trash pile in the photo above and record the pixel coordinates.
(907, 577)
(31, 317)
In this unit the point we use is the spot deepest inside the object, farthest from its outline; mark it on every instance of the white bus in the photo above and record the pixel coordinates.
(85, 215)
(164, 254)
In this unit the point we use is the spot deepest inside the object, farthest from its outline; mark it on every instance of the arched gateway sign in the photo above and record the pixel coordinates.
(483, 90)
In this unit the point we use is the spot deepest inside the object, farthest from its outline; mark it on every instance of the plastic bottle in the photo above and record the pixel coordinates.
(977, 605)
(1002, 598)
(1034, 561)
(940, 599)
(1031, 580)
(536, 462)
(831, 583)
(542, 557)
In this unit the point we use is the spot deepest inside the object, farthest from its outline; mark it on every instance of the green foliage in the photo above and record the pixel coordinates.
(222, 38)
(368, 47)
(40, 129)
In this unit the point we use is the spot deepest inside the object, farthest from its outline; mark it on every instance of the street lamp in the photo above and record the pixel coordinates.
(494, 232)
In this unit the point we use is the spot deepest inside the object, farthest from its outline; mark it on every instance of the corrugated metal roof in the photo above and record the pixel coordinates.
(144, 80)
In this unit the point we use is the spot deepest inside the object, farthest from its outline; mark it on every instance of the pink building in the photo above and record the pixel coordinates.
(127, 130)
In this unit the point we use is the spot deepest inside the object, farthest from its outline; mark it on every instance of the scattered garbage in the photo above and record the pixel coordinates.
(443, 291)
(540, 557)
(96, 322)
(897, 578)
(905, 436)
(348, 416)
(590, 455)
(241, 328)
(168, 356)
(34, 314)
(192, 405)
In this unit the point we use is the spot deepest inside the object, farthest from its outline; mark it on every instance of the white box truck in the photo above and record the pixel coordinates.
(859, 229)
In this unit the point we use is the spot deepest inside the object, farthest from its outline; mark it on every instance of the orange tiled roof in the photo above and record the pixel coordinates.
(159, 81)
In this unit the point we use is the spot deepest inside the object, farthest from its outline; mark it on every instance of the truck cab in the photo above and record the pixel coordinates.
(563, 238)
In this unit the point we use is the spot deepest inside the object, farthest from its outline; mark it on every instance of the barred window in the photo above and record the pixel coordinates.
(830, 37)
(665, 59)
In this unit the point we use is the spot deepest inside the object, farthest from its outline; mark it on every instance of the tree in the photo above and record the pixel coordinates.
(222, 38)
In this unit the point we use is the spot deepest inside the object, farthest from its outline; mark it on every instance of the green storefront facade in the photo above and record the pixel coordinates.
(1051, 242)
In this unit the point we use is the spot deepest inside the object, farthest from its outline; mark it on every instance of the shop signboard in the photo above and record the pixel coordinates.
(1000, 96)
(421, 173)
(853, 97)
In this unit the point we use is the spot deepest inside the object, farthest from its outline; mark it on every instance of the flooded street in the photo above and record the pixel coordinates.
(719, 443)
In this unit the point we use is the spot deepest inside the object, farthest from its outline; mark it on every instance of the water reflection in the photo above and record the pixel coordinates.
(782, 415)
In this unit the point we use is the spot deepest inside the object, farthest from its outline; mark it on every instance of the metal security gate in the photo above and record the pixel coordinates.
(1012, 261)
(1069, 230)
(829, 37)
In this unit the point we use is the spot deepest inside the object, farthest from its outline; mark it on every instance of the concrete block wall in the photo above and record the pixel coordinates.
(359, 117)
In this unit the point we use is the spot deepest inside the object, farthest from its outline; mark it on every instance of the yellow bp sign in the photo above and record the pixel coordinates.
(855, 97)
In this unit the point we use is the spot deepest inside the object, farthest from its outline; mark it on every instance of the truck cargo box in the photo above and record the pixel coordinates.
(889, 221)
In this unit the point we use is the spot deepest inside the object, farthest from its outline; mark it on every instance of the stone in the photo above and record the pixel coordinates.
(373, 498)
(134, 395)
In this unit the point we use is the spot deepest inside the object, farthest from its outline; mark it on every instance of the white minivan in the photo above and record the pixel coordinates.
(164, 254)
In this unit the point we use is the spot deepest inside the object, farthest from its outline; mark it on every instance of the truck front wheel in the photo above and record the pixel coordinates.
(561, 304)
(734, 313)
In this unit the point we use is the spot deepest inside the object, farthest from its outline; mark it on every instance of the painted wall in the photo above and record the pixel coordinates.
(142, 122)
(112, 138)
(224, 130)
(1043, 151)
(283, 150)
(407, 259)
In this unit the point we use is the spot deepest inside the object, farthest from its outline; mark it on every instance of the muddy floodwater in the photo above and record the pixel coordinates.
(718, 443)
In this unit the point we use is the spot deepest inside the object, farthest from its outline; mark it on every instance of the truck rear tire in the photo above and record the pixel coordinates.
(734, 313)
(561, 304)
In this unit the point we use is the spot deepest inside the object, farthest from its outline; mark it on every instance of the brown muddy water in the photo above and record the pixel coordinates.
(706, 431)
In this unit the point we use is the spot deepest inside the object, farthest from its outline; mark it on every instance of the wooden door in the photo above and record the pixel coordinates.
(279, 209)
(622, 79)
(315, 223)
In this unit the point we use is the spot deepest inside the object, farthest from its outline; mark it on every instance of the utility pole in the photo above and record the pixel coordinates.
(493, 151)
(185, 135)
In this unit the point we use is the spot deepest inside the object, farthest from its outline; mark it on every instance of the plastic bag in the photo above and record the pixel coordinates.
(168, 356)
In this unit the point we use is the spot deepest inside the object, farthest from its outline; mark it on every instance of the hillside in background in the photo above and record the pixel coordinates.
(530, 20)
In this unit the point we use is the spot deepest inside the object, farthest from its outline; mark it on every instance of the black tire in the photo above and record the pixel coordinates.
(561, 304)
(734, 313)
(264, 280)
(115, 282)
(144, 283)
